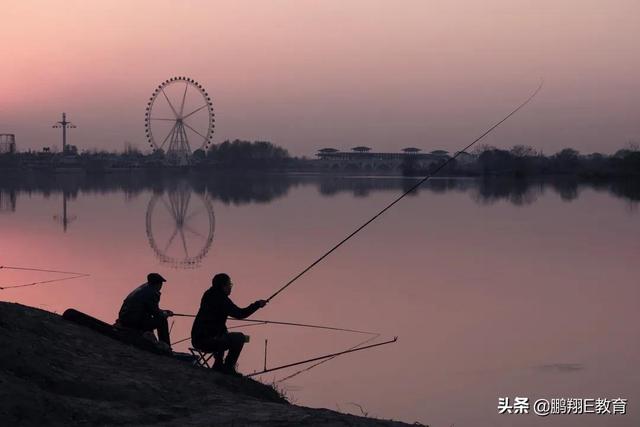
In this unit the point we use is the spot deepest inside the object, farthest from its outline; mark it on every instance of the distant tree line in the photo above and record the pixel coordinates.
(239, 153)
(523, 160)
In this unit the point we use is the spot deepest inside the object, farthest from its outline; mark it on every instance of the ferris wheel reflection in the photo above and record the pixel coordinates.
(180, 226)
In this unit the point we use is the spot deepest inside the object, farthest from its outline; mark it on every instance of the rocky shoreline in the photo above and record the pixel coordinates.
(57, 373)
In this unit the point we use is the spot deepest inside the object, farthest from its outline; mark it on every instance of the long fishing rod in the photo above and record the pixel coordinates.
(259, 322)
(179, 341)
(326, 356)
(423, 180)
(230, 327)
(41, 282)
(274, 322)
(7, 267)
(308, 368)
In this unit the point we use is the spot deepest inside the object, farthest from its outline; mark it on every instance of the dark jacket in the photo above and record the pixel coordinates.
(211, 320)
(140, 307)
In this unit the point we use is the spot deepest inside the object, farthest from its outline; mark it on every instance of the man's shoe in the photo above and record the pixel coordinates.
(164, 347)
(230, 370)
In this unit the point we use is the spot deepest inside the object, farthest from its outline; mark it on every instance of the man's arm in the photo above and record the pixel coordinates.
(242, 313)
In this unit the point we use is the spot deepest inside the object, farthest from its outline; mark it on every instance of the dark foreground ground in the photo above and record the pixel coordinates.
(56, 373)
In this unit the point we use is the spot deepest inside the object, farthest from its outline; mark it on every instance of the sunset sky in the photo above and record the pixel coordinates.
(312, 74)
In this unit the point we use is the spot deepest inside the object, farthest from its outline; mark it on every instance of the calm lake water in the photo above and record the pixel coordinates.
(495, 288)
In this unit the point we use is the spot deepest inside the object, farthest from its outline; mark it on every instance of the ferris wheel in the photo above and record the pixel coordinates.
(179, 117)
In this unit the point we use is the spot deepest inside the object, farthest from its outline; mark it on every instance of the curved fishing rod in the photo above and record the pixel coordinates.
(326, 356)
(308, 368)
(422, 181)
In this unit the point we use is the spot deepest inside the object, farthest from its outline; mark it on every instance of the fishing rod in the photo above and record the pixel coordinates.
(41, 282)
(308, 368)
(274, 322)
(259, 322)
(2, 288)
(231, 327)
(179, 341)
(326, 356)
(7, 267)
(246, 326)
(422, 181)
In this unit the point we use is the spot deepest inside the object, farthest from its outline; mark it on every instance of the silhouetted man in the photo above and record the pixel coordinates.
(209, 332)
(141, 311)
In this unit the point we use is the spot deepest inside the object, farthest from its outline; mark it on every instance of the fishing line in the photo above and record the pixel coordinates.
(438, 169)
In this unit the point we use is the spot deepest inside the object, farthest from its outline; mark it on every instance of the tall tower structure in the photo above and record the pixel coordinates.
(64, 124)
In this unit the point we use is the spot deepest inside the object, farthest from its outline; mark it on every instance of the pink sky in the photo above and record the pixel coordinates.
(310, 74)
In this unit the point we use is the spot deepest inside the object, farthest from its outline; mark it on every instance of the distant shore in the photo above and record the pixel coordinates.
(262, 157)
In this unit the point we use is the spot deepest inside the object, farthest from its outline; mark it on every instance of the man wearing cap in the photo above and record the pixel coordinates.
(209, 332)
(140, 310)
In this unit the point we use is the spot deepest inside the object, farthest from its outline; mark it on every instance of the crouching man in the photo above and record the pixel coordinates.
(140, 310)
(209, 332)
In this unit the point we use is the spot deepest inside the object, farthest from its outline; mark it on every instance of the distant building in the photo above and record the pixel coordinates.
(363, 159)
(7, 143)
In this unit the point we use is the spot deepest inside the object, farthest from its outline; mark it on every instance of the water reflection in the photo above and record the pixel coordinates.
(518, 192)
(64, 217)
(444, 280)
(180, 225)
(229, 188)
(7, 201)
(239, 189)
